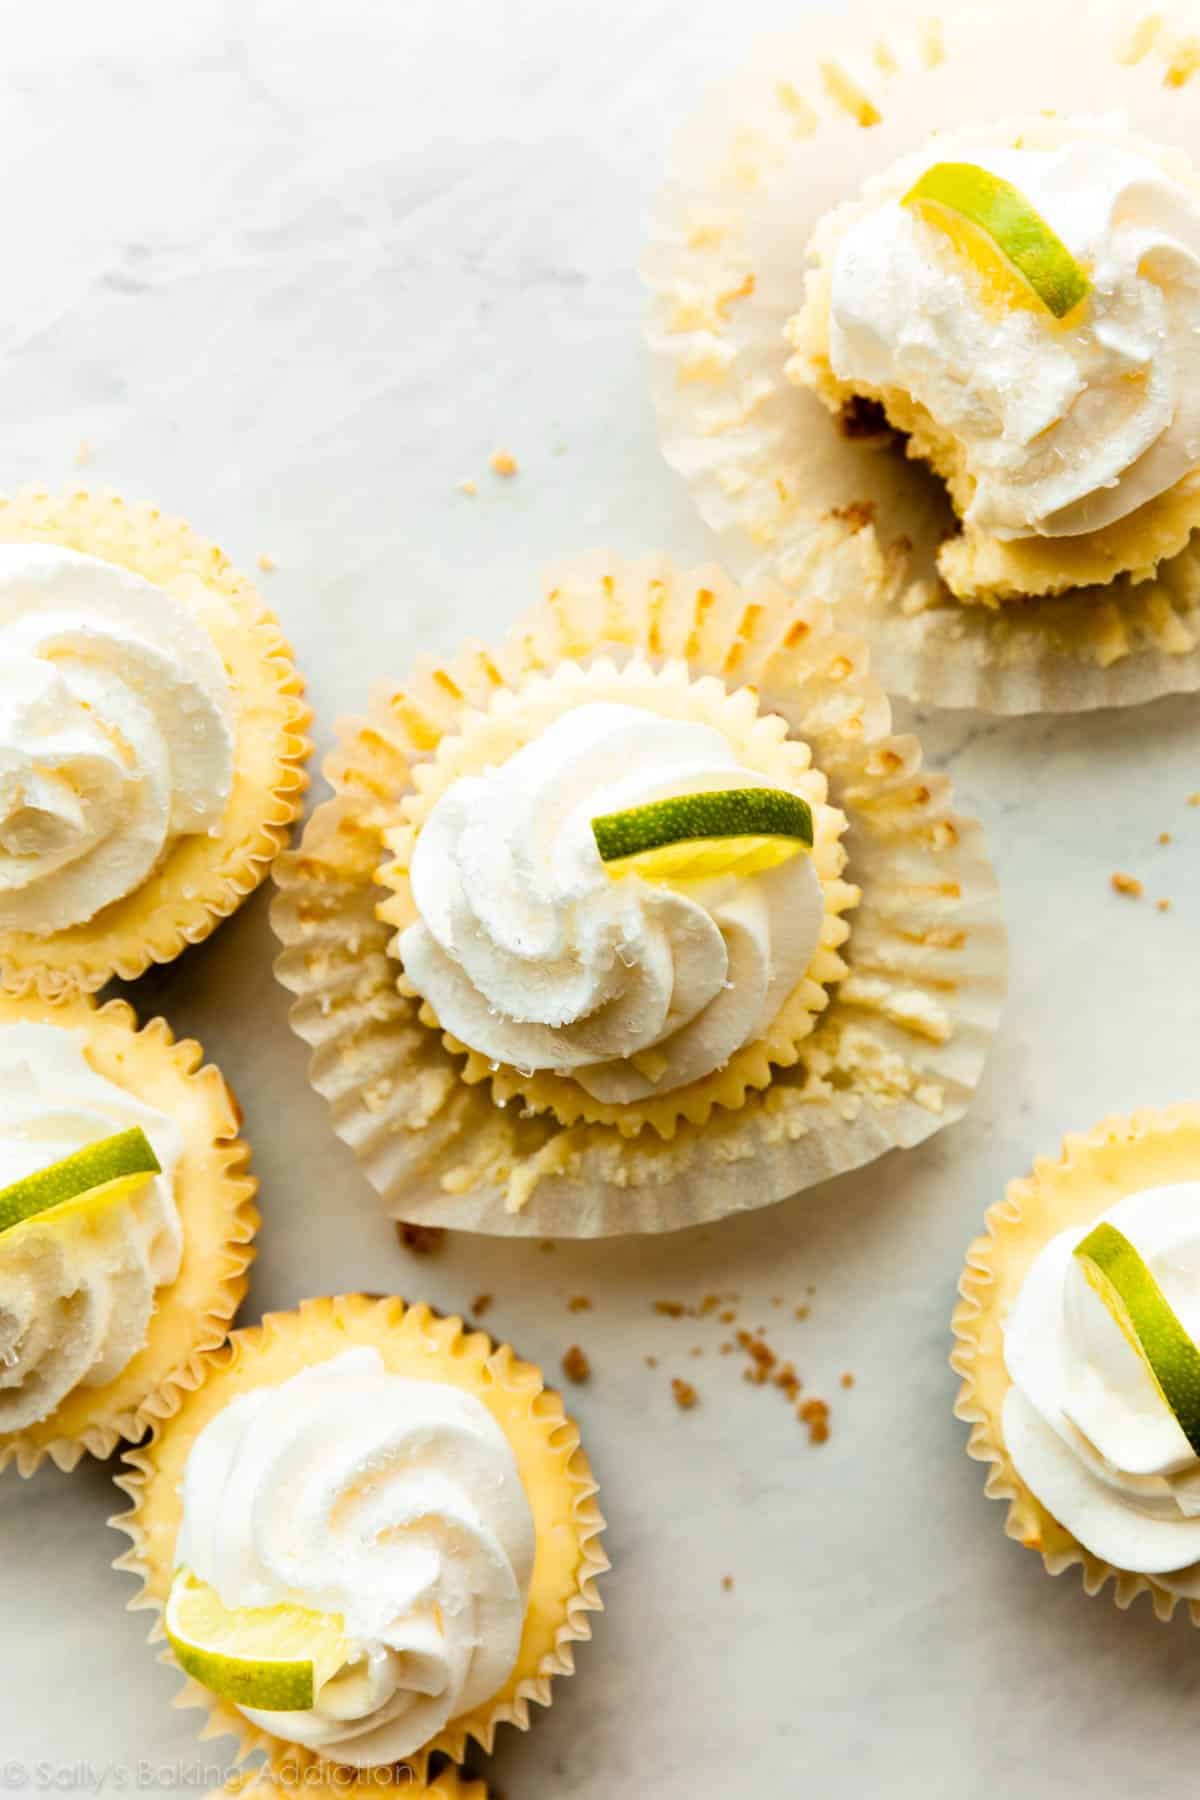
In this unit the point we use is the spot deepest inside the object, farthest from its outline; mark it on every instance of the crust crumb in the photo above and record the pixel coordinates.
(575, 1365)
(670, 1309)
(848, 1379)
(727, 1584)
(467, 487)
(815, 1414)
(1164, 837)
(503, 462)
(421, 1240)
(1126, 884)
(685, 1394)
(481, 1305)
(266, 562)
(652, 1362)
(579, 1303)
(1162, 905)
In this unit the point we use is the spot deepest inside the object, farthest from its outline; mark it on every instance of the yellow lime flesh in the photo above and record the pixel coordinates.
(104, 1171)
(1132, 1295)
(692, 837)
(271, 1658)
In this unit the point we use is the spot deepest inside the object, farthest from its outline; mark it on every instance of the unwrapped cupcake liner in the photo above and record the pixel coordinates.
(202, 879)
(895, 1055)
(813, 115)
(1151, 1148)
(445, 1350)
(215, 1196)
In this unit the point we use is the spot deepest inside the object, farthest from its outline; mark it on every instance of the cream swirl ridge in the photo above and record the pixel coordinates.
(1085, 1424)
(75, 1307)
(531, 954)
(116, 733)
(391, 1502)
(1064, 427)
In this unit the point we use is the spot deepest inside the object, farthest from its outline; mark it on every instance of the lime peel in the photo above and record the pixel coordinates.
(270, 1658)
(1125, 1284)
(731, 831)
(1001, 211)
(106, 1164)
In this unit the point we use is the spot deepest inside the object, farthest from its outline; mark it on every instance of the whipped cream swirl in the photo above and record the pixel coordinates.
(116, 734)
(393, 1502)
(533, 955)
(1065, 427)
(75, 1306)
(1084, 1422)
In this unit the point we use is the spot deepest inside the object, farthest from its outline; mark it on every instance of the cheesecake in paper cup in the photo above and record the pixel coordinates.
(152, 735)
(104, 1315)
(1065, 575)
(1079, 1312)
(371, 1461)
(717, 1045)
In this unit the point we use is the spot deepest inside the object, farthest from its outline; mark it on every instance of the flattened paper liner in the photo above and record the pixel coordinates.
(202, 879)
(811, 117)
(1092, 1172)
(555, 1474)
(215, 1196)
(895, 1056)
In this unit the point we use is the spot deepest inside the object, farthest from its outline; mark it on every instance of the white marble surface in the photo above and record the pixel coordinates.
(295, 270)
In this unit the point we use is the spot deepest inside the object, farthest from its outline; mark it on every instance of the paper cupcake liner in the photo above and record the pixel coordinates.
(1091, 1173)
(215, 1196)
(360, 1784)
(813, 115)
(202, 879)
(490, 737)
(896, 1054)
(554, 1469)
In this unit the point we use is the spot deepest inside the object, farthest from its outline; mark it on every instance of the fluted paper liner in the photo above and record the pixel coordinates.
(1092, 1172)
(895, 1055)
(361, 1784)
(215, 1196)
(809, 119)
(412, 1340)
(202, 879)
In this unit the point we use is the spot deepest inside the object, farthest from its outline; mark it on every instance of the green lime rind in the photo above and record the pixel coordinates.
(269, 1658)
(285, 1687)
(734, 812)
(108, 1159)
(1149, 1321)
(1020, 233)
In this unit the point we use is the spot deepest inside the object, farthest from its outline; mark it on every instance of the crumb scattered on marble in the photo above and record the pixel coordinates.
(696, 1350)
(652, 1362)
(422, 1240)
(266, 562)
(575, 1364)
(579, 1303)
(1126, 884)
(685, 1394)
(1194, 799)
(1164, 837)
(727, 1347)
(481, 1305)
(503, 462)
(728, 1317)
(848, 1379)
(547, 1244)
(1162, 905)
(467, 487)
(727, 1583)
(815, 1414)
(801, 1312)
(709, 1304)
(670, 1309)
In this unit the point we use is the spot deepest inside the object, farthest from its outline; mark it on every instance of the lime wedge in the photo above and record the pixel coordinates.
(695, 836)
(1145, 1315)
(125, 1161)
(952, 194)
(272, 1658)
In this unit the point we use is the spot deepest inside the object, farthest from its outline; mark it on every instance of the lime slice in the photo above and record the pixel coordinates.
(1145, 1315)
(272, 1658)
(122, 1162)
(694, 836)
(954, 195)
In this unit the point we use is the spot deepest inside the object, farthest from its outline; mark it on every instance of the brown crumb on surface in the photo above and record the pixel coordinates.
(266, 562)
(785, 1377)
(727, 1583)
(480, 1305)
(421, 1240)
(575, 1364)
(579, 1303)
(685, 1394)
(670, 1309)
(857, 515)
(652, 1362)
(696, 1350)
(727, 1347)
(848, 1379)
(762, 1357)
(503, 462)
(547, 1244)
(1194, 799)
(728, 1317)
(1126, 884)
(709, 1304)
(802, 1312)
(815, 1414)
(1164, 837)
(1163, 905)
(467, 487)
